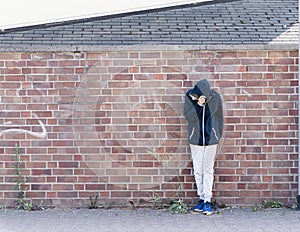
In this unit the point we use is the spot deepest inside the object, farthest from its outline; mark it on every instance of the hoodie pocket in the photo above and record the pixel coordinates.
(215, 133)
(192, 133)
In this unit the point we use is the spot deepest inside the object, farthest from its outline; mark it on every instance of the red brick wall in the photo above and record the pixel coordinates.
(111, 124)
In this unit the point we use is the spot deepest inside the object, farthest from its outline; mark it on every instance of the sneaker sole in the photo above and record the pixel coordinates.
(208, 213)
(198, 210)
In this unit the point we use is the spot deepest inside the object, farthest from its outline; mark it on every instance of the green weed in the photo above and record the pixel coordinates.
(267, 204)
(272, 204)
(22, 203)
(178, 207)
(93, 202)
(3, 207)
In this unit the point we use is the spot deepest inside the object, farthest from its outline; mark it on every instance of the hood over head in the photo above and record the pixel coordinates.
(204, 87)
(195, 93)
(201, 88)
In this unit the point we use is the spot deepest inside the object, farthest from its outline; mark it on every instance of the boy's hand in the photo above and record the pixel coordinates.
(201, 100)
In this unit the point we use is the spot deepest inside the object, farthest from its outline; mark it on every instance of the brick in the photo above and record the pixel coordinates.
(277, 68)
(150, 70)
(255, 171)
(36, 63)
(10, 56)
(95, 186)
(66, 179)
(123, 194)
(257, 54)
(17, 78)
(283, 178)
(248, 194)
(40, 187)
(249, 164)
(67, 195)
(36, 195)
(176, 77)
(141, 179)
(59, 187)
(229, 178)
(142, 164)
(278, 171)
(39, 172)
(123, 77)
(41, 71)
(66, 63)
(250, 179)
(119, 179)
(150, 55)
(276, 54)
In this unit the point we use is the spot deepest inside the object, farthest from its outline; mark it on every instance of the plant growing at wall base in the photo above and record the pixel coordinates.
(267, 204)
(95, 205)
(255, 207)
(21, 202)
(154, 200)
(272, 204)
(178, 207)
(106, 205)
(93, 202)
(218, 206)
(3, 207)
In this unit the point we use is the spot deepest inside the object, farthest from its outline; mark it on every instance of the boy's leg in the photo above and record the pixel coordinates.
(208, 171)
(197, 153)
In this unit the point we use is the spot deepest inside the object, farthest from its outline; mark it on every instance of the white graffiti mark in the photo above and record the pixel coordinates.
(247, 93)
(40, 135)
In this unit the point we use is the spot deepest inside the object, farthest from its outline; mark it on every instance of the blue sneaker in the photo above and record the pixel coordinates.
(207, 208)
(199, 207)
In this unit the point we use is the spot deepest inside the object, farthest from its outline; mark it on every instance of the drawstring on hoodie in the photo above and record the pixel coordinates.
(203, 129)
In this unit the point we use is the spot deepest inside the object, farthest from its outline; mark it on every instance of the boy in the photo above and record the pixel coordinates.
(204, 113)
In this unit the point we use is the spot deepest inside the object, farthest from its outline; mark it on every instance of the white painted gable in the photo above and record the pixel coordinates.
(17, 13)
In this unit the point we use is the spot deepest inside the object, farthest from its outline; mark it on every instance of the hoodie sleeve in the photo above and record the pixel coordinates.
(220, 117)
(191, 108)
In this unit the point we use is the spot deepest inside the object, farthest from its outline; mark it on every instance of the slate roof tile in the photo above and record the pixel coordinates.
(234, 22)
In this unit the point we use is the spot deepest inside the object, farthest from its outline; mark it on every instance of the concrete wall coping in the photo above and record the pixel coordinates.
(64, 48)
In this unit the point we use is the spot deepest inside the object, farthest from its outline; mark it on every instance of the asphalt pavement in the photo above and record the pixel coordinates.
(146, 219)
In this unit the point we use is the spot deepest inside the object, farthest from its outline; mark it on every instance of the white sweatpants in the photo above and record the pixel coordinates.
(203, 161)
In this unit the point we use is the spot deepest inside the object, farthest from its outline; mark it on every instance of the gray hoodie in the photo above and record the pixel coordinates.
(205, 123)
